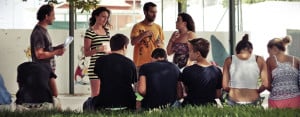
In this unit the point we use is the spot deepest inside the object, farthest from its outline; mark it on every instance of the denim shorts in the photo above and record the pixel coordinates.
(256, 102)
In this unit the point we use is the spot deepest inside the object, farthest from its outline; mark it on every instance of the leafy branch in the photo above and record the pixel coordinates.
(85, 5)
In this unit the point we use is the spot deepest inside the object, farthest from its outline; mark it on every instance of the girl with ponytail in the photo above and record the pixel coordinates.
(283, 72)
(241, 73)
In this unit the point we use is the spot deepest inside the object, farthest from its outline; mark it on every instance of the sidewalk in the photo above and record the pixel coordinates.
(72, 102)
(68, 102)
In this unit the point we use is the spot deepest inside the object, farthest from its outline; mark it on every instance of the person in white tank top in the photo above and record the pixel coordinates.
(241, 73)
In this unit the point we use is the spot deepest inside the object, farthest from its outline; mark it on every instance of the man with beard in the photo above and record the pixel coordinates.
(41, 71)
(146, 36)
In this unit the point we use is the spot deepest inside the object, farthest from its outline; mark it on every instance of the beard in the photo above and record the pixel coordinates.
(50, 22)
(150, 19)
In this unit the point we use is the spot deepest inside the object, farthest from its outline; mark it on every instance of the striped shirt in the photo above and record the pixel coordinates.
(96, 40)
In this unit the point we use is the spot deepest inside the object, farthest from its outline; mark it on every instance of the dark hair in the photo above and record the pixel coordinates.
(43, 11)
(201, 45)
(148, 5)
(96, 12)
(189, 21)
(118, 41)
(159, 53)
(244, 44)
(280, 43)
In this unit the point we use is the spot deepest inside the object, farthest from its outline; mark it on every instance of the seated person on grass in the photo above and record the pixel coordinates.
(5, 97)
(117, 74)
(203, 80)
(37, 88)
(158, 81)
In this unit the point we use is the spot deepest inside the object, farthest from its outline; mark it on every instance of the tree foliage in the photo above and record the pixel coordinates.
(83, 5)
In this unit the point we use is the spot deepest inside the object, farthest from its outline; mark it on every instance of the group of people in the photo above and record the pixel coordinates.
(190, 79)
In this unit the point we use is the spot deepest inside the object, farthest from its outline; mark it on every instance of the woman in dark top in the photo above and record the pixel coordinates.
(178, 43)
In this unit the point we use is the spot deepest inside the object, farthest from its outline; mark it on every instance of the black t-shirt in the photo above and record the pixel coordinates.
(161, 83)
(117, 73)
(33, 80)
(201, 84)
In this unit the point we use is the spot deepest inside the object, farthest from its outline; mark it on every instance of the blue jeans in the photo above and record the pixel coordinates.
(5, 97)
(88, 105)
(256, 102)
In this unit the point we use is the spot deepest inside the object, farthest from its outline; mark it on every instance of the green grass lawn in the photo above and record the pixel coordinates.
(199, 111)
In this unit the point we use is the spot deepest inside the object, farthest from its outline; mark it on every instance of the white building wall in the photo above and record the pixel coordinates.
(14, 43)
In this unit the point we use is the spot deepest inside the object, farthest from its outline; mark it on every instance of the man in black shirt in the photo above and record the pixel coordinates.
(202, 81)
(117, 74)
(34, 87)
(158, 81)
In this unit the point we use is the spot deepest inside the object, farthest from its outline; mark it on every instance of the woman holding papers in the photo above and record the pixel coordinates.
(95, 42)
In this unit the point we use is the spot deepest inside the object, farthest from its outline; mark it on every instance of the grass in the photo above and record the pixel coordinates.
(189, 111)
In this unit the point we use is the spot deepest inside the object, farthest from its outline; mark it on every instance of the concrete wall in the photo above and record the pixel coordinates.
(14, 43)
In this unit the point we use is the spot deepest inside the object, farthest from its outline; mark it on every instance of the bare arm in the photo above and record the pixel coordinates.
(218, 93)
(263, 74)
(192, 35)
(170, 43)
(179, 90)
(269, 72)
(226, 77)
(53, 87)
(41, 54)
(142, 35)
(95, 87)
(142, 85)
(87, 48)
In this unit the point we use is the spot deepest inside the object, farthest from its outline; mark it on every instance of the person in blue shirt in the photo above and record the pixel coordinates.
(5, 97)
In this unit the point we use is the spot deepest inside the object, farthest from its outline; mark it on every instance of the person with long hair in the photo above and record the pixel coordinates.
(178, 43)
(241, 73)
(96, 41)
(283, 72)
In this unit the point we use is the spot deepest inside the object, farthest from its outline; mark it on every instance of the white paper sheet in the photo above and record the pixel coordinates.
(68, 41)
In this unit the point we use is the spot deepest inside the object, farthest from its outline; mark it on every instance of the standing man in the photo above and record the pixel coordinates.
(158, 82)
(42, 50)
(116, 74)
(146, 36)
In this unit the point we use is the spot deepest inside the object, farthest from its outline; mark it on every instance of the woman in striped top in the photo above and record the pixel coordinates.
(96, 41)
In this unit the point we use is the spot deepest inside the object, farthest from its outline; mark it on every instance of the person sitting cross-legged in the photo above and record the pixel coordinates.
(37, 88)
(116, 74)
(202, 80)
(5, 97)
(158, 81)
